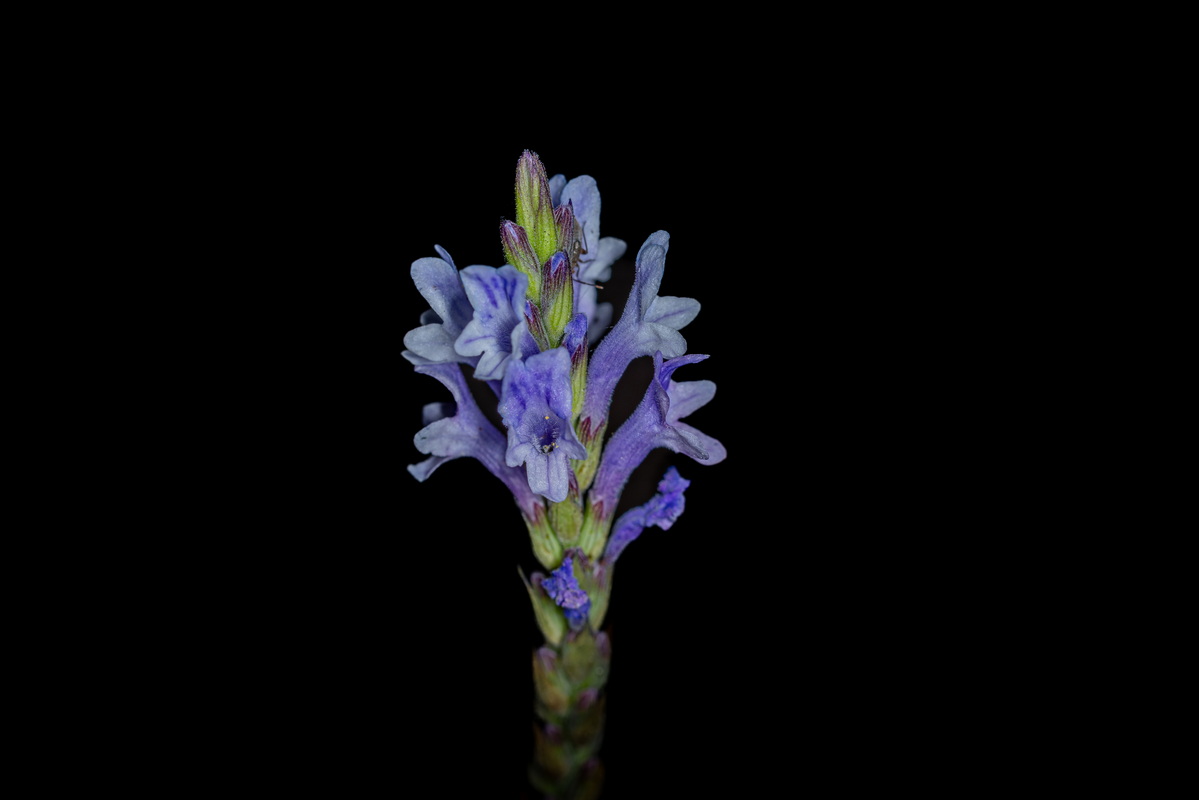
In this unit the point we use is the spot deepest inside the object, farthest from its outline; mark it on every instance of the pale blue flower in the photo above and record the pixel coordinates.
(535, 406)
(454, 430)
(648, 324)
(449, 313)
(595, 263)
(498, 299)
(655, 423)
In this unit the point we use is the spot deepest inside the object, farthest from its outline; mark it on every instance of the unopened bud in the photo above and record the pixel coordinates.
(557, 296)
(536, 325)
(534, 206)
(570, 234)
(566, 518)
(604, 645)
(593, 579)
(574, 339)
(519, 253)
(552, 688)
(587, 698)
(580, 660)
(546, 546)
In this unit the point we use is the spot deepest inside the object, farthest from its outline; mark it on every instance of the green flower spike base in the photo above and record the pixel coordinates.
(569, 685)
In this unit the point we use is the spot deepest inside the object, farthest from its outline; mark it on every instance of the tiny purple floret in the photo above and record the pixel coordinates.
(563, 589)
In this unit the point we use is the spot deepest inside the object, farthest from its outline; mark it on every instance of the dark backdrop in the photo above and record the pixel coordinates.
(349, 628)
(737, 634)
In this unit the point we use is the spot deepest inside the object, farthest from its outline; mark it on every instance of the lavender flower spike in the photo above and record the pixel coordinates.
(498, 298)
(662, 510)
(655, 423)
(649, 323)
(535, 406)
(467, 433)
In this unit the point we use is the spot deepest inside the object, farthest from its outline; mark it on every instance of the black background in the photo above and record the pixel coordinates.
(747, 640)
(307, 609)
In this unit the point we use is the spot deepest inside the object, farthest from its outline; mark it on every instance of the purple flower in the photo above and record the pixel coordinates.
(498, 298)
(454, 430)
(665, 507)
(662, 510)
(655, 423)
(450, 311)
(595, 263)
(535, 406)
(527, 330)
(648, 324)
(574, 338)
(563, 589)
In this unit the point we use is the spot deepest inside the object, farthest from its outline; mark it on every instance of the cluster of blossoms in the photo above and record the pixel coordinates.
(534, 332)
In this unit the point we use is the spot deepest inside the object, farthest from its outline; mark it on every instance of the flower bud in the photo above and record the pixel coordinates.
(519, 253)
(553, 690)
(551, 763)
(589, 721)
(546, 546)
(557, 296)
(570, 233)
(534, 207)
(587, 698)
(581, 661)
(566, 518)
(604, 644)
(593, 578)
(536, 325)
(597, 520)
(574, 339)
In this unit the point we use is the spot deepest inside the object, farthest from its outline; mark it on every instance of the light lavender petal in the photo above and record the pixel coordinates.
(497, 297)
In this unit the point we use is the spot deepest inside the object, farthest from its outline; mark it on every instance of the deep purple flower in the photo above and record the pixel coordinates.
(563, 589)
(665, 507)
(662, 510)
